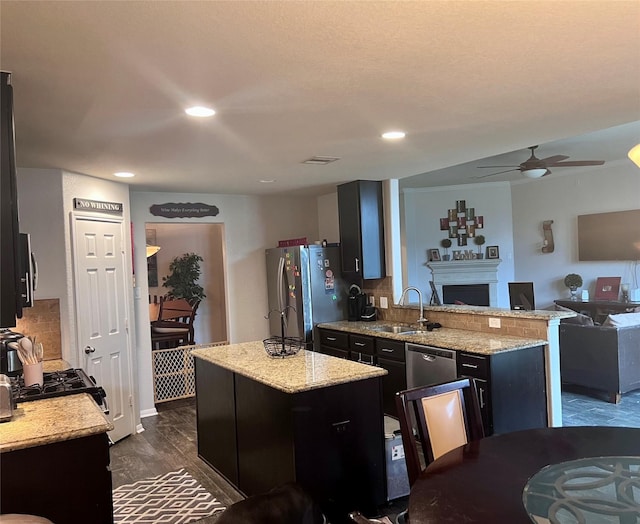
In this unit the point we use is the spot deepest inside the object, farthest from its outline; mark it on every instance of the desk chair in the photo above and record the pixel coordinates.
(175, 324)
(447, 416)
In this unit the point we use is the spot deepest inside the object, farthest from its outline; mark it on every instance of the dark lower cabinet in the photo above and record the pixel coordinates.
(390, 355)
(511, 388)
(383, 352)
(334, 352)
(330, 440)
(395, 381)
(511, 385)
(66, 482)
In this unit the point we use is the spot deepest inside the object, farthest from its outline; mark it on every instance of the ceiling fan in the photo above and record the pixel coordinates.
(535, 167)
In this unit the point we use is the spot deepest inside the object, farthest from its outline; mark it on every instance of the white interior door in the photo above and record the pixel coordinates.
(102, 318)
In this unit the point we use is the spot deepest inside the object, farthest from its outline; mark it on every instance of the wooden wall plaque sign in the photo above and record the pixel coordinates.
(184, 210)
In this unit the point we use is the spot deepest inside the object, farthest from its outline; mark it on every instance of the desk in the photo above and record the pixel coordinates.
(598, 309)
(483, 482)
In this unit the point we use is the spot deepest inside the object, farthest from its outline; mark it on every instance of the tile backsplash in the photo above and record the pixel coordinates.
(383, 287)
(43, 321)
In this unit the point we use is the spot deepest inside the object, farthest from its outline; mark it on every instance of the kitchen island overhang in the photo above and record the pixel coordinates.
(309, 418)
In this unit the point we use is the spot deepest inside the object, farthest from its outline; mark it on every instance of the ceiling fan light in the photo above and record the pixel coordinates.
(535, 173)
(634, 155)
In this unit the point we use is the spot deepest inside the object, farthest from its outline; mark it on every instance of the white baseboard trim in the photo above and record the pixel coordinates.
(139, 428)
(148, 413)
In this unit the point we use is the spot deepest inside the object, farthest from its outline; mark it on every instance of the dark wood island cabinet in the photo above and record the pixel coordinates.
(309, 418)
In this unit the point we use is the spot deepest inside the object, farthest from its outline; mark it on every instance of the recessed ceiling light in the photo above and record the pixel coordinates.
(393, 135)
(124, 174)
(267, 181)
(200, 111)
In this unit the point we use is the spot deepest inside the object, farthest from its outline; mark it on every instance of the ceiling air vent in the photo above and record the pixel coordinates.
(321, 160)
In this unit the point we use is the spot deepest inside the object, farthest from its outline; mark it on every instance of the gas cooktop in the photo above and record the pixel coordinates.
(57, 384)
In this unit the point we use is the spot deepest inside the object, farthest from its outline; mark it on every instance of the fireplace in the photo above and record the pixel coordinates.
(461, 274)
(470, 294)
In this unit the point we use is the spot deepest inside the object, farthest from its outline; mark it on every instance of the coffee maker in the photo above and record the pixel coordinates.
(10, 364)
(357, 303)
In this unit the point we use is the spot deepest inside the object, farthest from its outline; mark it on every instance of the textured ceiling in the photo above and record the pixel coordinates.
(100, 87)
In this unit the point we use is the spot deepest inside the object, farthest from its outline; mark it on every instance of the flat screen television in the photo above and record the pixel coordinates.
(609, 236)
(521, 296)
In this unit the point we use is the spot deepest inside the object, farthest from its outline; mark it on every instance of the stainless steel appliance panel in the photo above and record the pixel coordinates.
(305, 283)
(428, 365)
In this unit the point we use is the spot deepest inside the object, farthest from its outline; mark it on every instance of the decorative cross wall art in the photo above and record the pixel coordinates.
(462, 222)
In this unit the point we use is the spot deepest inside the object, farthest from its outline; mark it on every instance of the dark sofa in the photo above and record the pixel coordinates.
(601, 357)
(604, 358)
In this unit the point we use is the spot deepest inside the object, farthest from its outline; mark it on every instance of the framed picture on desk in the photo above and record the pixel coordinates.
(607, 288)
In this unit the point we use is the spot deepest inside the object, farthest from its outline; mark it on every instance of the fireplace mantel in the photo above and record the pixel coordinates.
(461, 272)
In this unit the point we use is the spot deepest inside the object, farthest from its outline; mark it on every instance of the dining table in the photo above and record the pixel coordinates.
(586, 474)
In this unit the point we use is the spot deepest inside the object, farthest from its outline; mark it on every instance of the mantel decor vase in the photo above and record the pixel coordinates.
(574, 293)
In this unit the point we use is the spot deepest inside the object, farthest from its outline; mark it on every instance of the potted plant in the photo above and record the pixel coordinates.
(479, 241)
(184, 272)
(573, 281)
(446, 244)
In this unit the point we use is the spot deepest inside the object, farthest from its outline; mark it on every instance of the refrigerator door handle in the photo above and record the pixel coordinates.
(281, 276)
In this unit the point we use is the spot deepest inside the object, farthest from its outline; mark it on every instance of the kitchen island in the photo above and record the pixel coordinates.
(309, 418)
(54, 456)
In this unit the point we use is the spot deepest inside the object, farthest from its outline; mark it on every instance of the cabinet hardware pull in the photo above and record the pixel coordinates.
(473, 366)
(387, 350)
(481, 391)
(360, 344)
(333, 339)
(357, 265)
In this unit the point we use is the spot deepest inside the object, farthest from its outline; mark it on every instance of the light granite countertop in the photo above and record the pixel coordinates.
(536, 314)
(41, 422)
(458, 339)
(304, 371)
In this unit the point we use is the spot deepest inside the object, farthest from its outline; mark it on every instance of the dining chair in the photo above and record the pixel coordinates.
(447, 416)
(175, 324)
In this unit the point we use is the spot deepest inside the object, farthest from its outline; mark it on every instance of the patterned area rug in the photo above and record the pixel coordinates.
(173, 498)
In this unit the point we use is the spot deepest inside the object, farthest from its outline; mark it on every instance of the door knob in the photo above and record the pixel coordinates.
(89, 349)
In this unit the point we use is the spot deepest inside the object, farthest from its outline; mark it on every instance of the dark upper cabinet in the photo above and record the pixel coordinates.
(361, 228)
(10, 300)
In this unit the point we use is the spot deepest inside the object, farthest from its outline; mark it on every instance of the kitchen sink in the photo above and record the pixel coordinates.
(400, 330)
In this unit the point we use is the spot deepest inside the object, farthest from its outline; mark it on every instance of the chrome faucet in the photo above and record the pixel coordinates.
(421, 321)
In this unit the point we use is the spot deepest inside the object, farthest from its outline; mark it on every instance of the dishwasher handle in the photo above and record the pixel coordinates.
(432, 351)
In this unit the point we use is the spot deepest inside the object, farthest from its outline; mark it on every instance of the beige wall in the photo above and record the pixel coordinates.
(252, 224)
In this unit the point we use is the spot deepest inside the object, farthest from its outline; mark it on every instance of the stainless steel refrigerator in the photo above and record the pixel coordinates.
(305, 283)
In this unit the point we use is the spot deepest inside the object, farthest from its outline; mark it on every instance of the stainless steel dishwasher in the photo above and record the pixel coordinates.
(428, 365)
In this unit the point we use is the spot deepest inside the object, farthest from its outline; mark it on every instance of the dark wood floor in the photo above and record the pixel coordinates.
(169, 441)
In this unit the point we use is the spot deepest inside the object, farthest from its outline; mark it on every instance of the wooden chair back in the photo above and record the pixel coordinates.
(176, 309)
(446, 415)
(175, 324)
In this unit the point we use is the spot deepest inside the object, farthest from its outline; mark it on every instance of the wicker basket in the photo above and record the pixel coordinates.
(282, 347)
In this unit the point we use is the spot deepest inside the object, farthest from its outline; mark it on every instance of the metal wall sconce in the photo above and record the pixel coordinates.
(547, 243)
